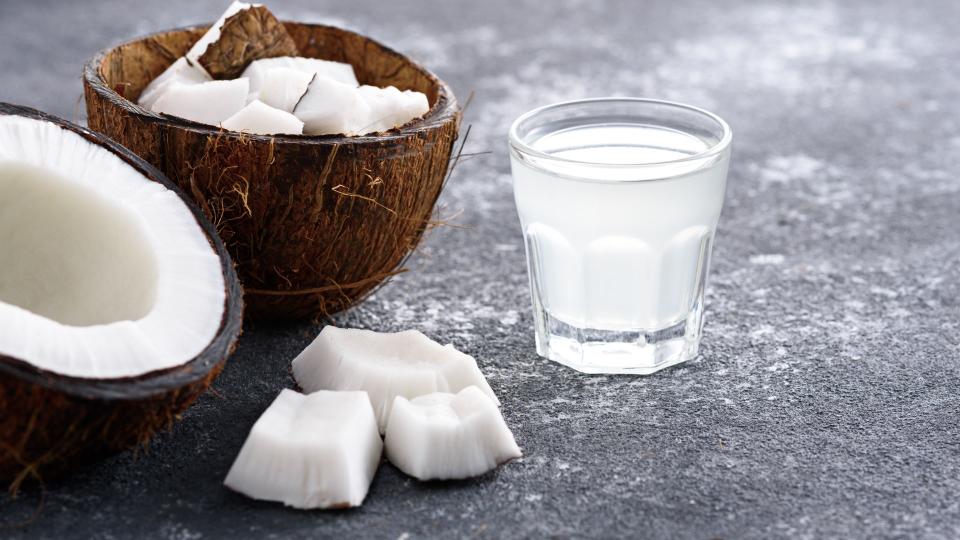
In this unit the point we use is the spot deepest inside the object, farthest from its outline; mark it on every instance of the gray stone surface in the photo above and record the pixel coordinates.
(825, 402)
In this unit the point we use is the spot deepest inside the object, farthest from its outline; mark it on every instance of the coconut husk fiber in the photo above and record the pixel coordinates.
(52, 423)
(313, 223)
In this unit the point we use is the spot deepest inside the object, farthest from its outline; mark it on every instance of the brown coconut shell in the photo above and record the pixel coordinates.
(52, 423)
(250, 34)
(313, 223)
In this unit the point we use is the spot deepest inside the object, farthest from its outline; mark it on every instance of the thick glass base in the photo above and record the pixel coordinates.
(637, 352)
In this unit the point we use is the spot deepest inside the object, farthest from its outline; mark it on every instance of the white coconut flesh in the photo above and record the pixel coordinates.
(187, 70)
(284, 88)
(325, 95)
(332, 107)
(310, 451)
(208, 102)
(259, 70)
(390, 108)
(385, 365)
(262, 119)
(447, 436)
(105, 273)
(181, 72)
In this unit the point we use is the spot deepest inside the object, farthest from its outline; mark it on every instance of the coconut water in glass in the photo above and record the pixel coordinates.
(619, 201)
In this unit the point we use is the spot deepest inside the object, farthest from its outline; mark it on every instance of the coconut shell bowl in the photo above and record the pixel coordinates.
(313, 223)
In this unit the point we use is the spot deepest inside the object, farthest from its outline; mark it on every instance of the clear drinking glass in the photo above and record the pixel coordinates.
(619, 200)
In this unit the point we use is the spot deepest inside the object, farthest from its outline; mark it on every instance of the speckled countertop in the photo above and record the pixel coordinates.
(825, 402)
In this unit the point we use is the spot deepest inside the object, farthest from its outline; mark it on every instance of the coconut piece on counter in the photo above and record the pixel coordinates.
(261, 119)
(385, 365)
(331, 107)
(284, 87)
(209, 102)
(445, 436)
(310, 451)
(247, 35)
(180, 71)
(258, 69)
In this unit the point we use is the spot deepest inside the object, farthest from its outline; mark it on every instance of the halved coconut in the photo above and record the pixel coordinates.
(208, 102)
(118, 302)
(315, 451)
(385, 365)
(258, 70)
(445, 436)
(261, 119)
(364, 202)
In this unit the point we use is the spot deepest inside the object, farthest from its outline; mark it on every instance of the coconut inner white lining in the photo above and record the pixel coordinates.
(110, 275)
(69, 254)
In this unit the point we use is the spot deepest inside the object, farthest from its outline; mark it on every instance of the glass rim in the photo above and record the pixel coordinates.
(523, 148)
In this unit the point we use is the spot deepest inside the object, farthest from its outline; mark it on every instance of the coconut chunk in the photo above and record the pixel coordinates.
(310, 451)
(385, 365)
(258, 69)
(208, 102)
(249, 34)
(414, 104)
(391, 108)
(213, 34)
(331, 107)
(284, 87)
(445, 436)
(383, 107)
(180, 71)
(261, 119)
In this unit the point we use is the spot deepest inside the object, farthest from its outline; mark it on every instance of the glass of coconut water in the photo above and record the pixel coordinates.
(619, 200)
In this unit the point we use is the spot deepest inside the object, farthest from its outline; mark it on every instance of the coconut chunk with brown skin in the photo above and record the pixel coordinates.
(385, 365)
(208, 102)
(249, 34)
(310, 451)
(258, 70)
(180, 71)
(284, 87)
(213, 34)
(261, 119)
(445, 436)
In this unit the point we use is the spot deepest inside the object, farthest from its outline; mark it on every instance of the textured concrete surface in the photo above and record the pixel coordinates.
(825, 403)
